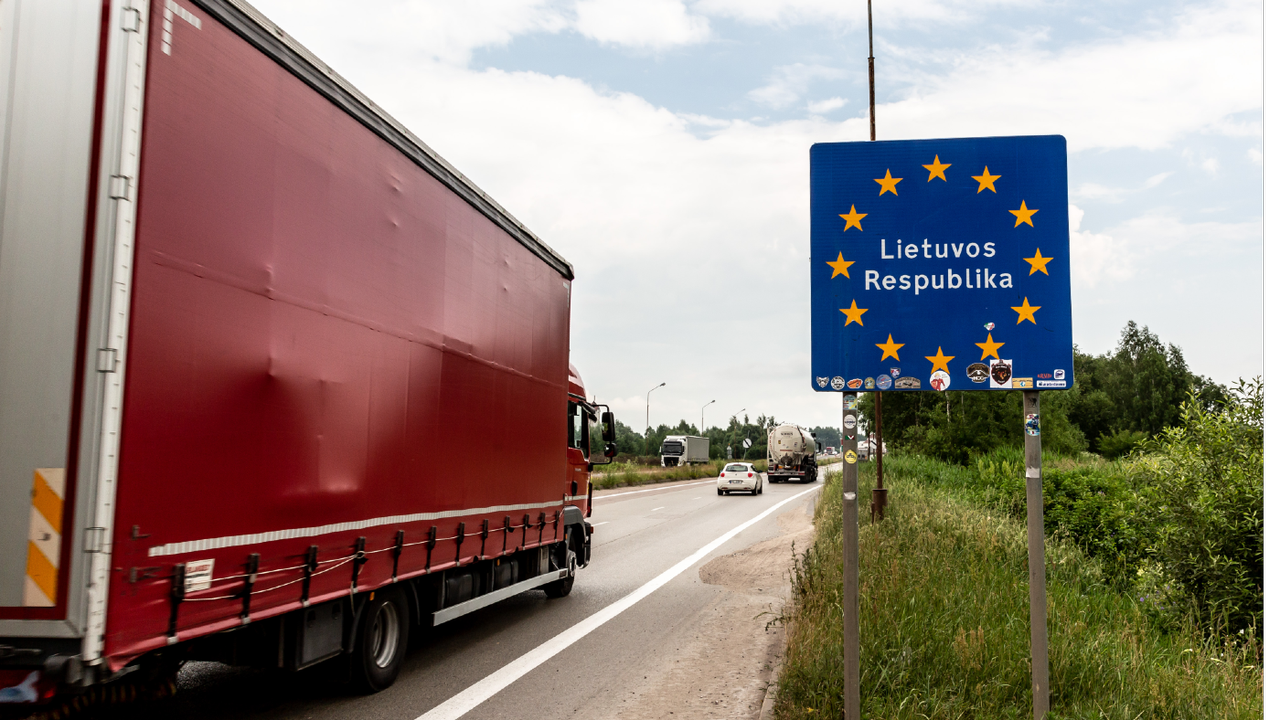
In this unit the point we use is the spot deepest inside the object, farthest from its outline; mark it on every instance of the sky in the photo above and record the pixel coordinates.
(662, 147)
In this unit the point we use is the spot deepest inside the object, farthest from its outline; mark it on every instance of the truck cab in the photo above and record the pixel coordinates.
(680, 450)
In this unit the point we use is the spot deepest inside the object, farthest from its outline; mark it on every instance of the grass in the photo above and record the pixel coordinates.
(944, 623)
(625, 473)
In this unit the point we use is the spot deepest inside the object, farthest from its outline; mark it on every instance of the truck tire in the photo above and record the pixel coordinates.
(381, 641)
(560, 588)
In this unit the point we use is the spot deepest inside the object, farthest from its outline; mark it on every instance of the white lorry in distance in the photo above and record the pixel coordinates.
(685, 450)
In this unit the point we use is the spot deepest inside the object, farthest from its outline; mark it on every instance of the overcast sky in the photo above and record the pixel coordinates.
(662, 147)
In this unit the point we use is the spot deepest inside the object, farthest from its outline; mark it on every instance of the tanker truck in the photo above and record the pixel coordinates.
(791, 454)
(252, 331)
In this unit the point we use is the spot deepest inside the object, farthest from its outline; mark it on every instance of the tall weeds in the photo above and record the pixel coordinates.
(943, 590)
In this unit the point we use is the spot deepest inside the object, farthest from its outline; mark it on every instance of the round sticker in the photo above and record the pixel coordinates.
(940, 380)
(850, 421)
(978, 372)
(884, 382)
(837, 383)
(869, 383)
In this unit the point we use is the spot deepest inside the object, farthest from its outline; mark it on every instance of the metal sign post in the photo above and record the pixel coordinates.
(849, 444)
(1035, 556)
(943, 265)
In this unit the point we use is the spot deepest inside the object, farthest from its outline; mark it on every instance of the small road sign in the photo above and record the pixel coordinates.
(941, 264)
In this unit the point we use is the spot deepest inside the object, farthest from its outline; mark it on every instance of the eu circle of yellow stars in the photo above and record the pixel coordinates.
(937, 171)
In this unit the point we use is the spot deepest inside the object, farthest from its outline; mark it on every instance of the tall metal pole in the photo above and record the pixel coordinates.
(871, 75)
(852, 670)
(879, 496)
(1035, 556)
(704, 418)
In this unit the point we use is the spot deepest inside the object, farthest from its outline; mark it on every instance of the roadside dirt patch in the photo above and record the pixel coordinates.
(723, 672)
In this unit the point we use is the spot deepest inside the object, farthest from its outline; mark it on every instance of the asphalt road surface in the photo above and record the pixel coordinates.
(498, 663)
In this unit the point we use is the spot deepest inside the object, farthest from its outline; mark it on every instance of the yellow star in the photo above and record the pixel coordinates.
(890, 349)
(1024, 216)
(1025, 312)
(841, 266)
(935, 170)
(1038, 262)
(940, 361)
(853, 219)
(853, 314)
(888, 183)
(989, 348)
(986, 181)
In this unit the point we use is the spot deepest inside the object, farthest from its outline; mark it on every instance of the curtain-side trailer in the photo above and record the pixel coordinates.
(276, 380)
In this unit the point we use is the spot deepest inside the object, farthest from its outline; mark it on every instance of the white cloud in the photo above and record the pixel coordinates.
(442, 30)
(788, 83)
(655, 24)
(821, 107)
(1255, 156)
(1111, 194)
(1141, 90)
(1117, 253)
(890, 14)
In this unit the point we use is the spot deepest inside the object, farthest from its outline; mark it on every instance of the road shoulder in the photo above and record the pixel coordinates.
(724, 669)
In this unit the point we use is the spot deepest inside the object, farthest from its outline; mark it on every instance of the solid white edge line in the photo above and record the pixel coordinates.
(667, 487)
(467, 700)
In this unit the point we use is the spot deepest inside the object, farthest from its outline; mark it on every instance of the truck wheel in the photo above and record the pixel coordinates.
(560, 588)
(381, 642)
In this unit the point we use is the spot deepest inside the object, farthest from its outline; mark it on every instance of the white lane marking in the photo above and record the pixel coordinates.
(657, 508)
(465, 701)
(598, 524)
(668, 487)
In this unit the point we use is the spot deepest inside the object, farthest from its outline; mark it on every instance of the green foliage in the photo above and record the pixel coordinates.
(618, 474)
(1137, 388)
(943, 598)
(1119, 443)
(1200, 494)
(826, 437)
(959, 426)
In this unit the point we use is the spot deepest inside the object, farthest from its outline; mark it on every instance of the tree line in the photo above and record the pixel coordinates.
(1119, 399)
(634, 445)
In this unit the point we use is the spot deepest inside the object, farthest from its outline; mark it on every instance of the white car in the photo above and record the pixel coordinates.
(739, 476)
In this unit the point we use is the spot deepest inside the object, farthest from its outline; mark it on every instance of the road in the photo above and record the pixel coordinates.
(619, 658)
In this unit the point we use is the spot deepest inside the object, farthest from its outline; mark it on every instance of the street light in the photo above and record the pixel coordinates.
(704, 418)
(646, 405)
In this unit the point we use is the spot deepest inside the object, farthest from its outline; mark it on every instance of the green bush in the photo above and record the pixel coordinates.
(1200, 496)
(1119, 443)
(944, 630)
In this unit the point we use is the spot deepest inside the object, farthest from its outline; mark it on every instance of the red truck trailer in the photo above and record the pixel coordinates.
(276, 381)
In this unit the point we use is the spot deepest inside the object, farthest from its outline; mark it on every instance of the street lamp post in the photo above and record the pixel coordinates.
(704, 418)
(743, 410)
(646, 406)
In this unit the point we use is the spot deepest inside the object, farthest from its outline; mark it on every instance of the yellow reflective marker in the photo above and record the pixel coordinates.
(850, 456)
(44, 539)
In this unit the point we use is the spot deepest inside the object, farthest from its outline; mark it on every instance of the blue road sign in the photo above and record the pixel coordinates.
(940, 264)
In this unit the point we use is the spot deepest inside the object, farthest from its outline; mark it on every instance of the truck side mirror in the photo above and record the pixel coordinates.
(610, 450)
(606, 418)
